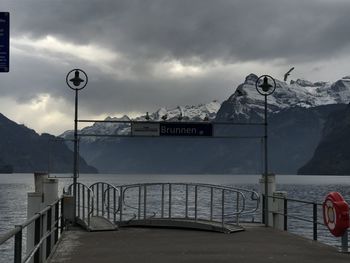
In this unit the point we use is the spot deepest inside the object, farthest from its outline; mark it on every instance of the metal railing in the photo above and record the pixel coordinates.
(84, 202)
(296, 210)
(106, 200)
(187, 201)
(47, 226)
(150, 201)
(297, 214)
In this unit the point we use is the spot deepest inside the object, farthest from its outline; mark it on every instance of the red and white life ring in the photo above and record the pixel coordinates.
(336, 214)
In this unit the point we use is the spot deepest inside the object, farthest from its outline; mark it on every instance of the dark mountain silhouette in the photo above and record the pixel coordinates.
(25, 151)
(332, 155)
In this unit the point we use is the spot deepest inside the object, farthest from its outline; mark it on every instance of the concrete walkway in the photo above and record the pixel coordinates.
(256, 244)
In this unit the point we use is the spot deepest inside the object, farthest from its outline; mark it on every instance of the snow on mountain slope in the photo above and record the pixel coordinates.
(244, 104)
(187, 113)
(247, 104)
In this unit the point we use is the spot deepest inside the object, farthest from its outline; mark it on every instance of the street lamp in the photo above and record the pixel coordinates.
(76, 83)
(265, 85)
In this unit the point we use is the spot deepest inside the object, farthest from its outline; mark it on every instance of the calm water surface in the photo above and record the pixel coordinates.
(14, 188)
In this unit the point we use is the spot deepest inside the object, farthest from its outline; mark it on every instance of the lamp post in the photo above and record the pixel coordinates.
(265, 85)
(76, 83)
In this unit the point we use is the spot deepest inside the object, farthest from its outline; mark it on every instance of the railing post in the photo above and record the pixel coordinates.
(223, 208)
(186, 202)
(285, 214)
(211, 202)
(90, 207)
(97, 200)
(263, 209)
(170, 193)
(62, 225)
(314, 219)
(83, 208)
(237, 209)
(345, 242)
(144, 202)
(195, 201)
(37, 237)
(121, 204)
(115, 205)
(139, 204)
(18, 246)
(48, 229)
(162, 205)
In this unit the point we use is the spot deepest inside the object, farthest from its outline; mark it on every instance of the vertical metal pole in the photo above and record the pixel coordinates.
(170, 200)
(211, 202)
(114, 205)
(144, 201)
(139, 205)
(108, 202)
(162, 205)
(97, 199)
(48, 229)
(314, 219)
(62, 223)
(186, 205)
(266, 166)
(195, 201)
(83, 208)
(56, 221)
(345, 242)
(121, 204)
(18, 246)
(285, 214)
(37, 237)
(223, 208)
(90, 207)
(103, 198)
(237, 208)
(263, 209)
(75, 164)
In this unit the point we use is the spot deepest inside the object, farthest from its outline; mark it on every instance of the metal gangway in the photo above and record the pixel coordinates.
(103, 206)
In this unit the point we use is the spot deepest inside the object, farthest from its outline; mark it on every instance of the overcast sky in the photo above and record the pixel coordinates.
(144, 54)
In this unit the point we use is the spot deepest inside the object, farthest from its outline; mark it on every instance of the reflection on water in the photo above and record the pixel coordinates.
(14, 188)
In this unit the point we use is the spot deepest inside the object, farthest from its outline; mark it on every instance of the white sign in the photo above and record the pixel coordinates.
(145, 129)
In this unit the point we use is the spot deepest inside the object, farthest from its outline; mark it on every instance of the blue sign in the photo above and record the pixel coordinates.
(185, 129)
(4, 41)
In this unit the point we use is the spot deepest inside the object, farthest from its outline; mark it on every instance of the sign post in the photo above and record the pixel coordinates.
(265, 85)
(76, 82)
(4, 42)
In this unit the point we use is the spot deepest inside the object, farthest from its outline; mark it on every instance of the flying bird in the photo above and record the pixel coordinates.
(288, 73)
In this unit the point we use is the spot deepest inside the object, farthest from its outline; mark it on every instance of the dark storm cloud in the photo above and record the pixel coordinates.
(224, 39)
(226, 30)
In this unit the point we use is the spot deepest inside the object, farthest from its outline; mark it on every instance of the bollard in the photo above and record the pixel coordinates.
(271, 184)
(68, 209)
(279, 209)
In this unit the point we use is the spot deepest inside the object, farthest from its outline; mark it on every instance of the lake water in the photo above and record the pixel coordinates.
(14, 188)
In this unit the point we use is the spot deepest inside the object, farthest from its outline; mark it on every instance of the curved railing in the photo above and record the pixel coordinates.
(106, 200)
(187, 201)
(84, 202)
(147, 202)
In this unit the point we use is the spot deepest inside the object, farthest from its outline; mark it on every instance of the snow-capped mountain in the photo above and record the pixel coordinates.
(181, 113)
(297, 110)
(247, 104)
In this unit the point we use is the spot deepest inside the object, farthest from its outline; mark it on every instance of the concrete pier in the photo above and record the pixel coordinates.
(256, 244)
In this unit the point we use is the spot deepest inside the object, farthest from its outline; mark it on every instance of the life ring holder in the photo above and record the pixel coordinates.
(336, 214)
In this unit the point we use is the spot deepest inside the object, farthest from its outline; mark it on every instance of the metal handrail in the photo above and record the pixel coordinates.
(240, 209)
(105, 198)
(40, 235)
(90, 201)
